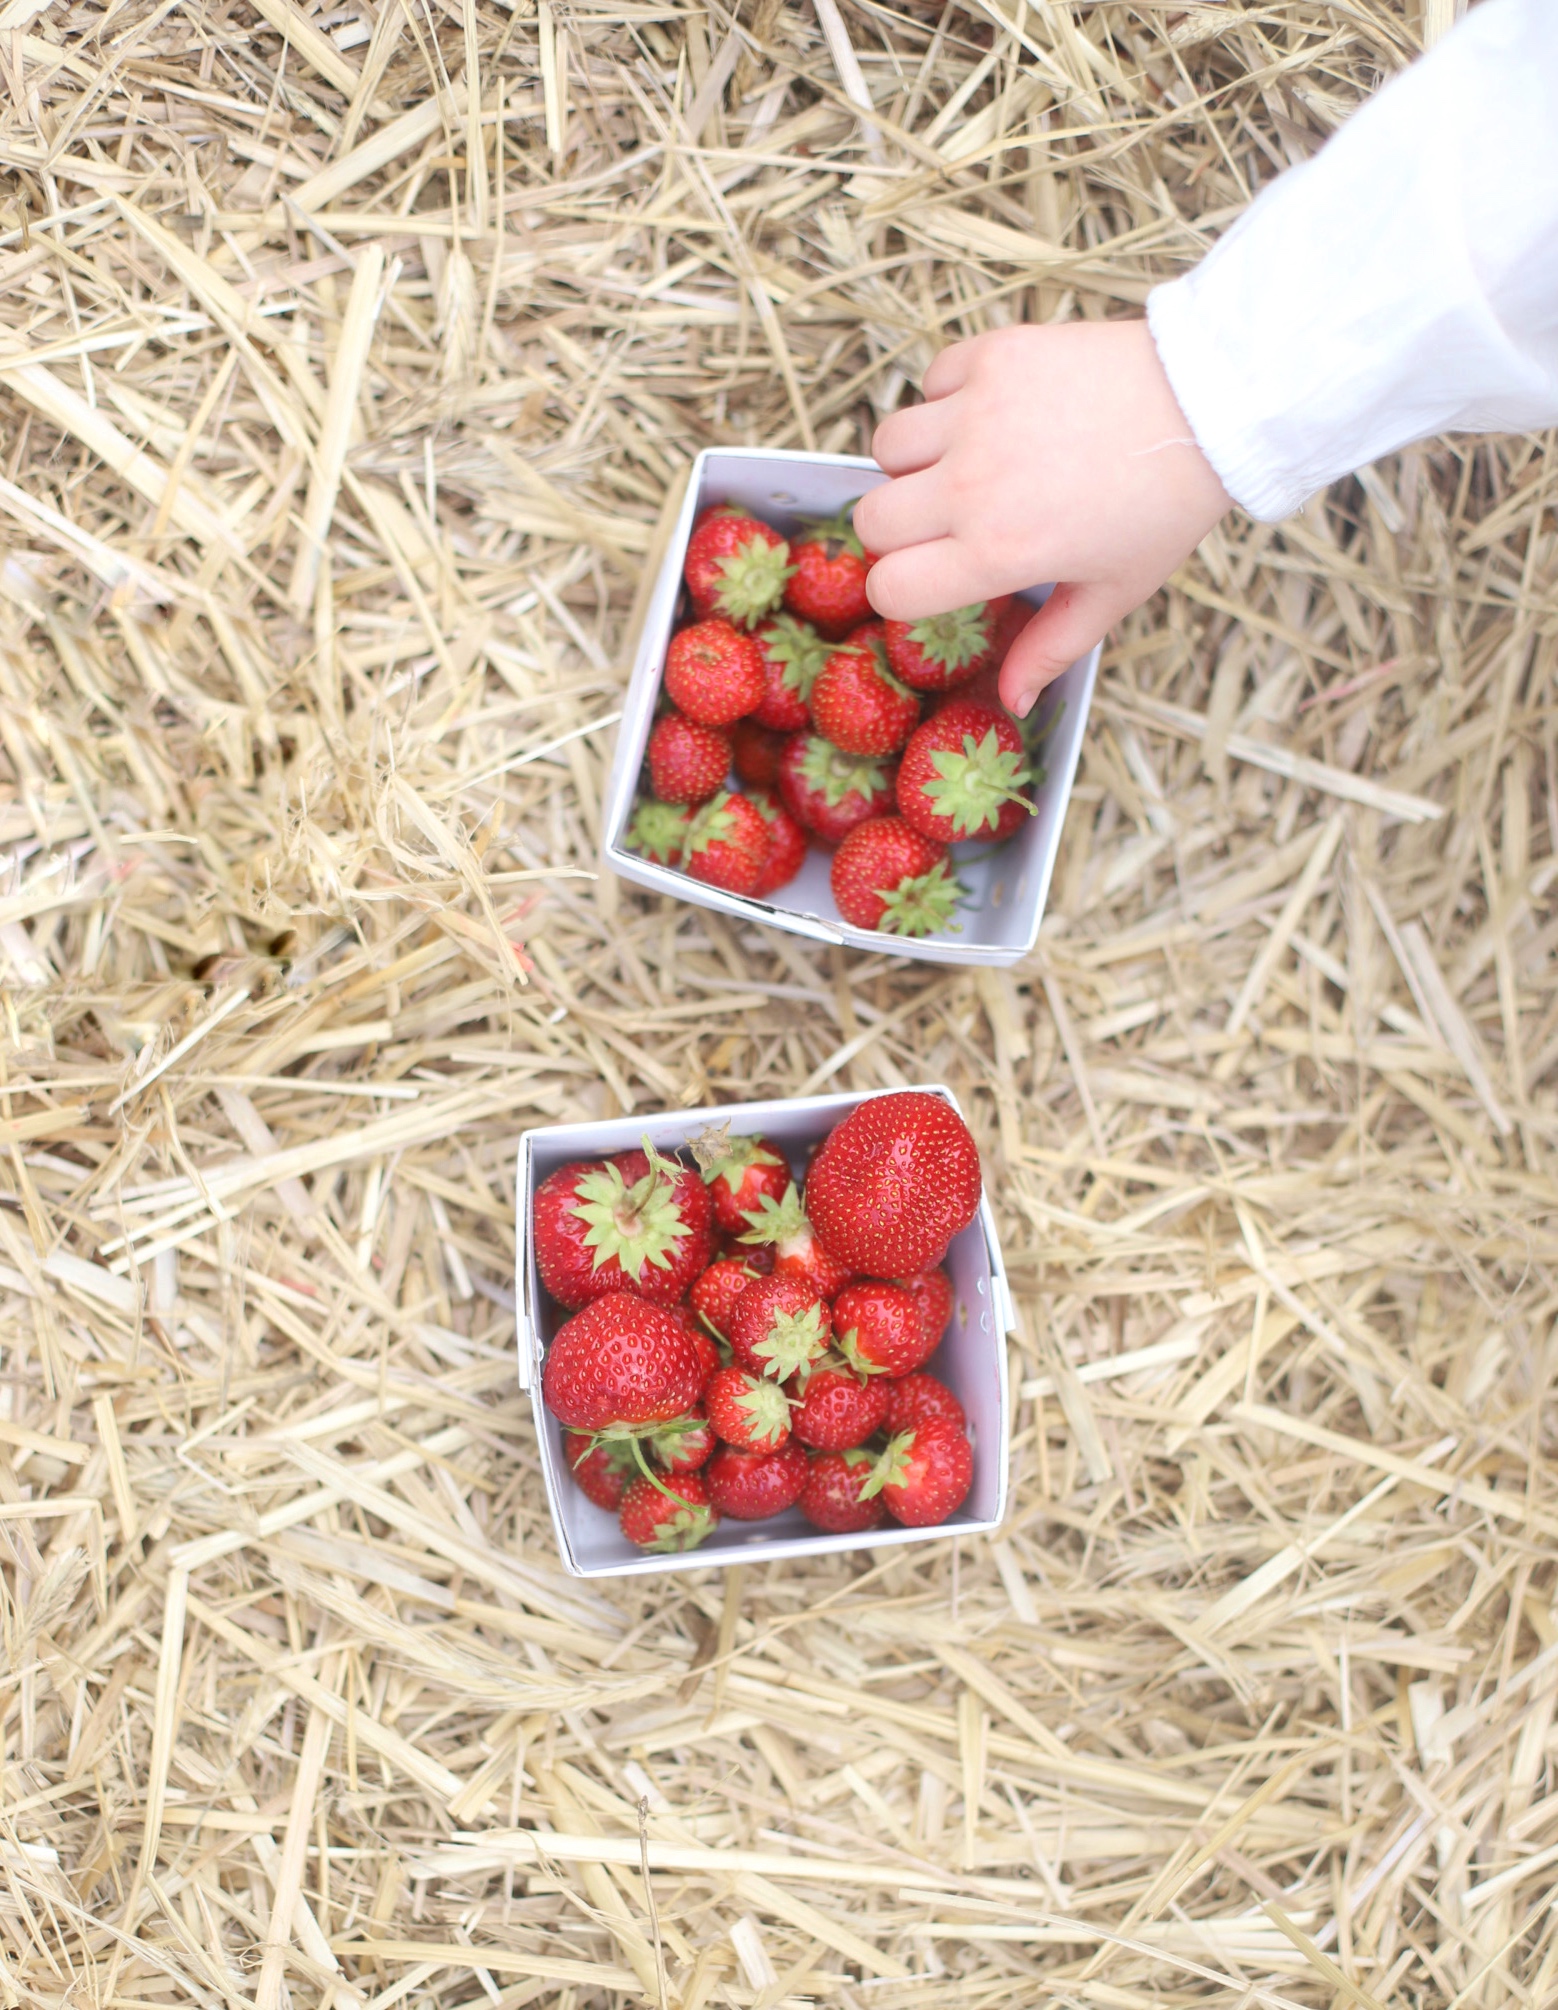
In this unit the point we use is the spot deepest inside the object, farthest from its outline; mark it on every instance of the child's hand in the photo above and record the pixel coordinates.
(1040, 453)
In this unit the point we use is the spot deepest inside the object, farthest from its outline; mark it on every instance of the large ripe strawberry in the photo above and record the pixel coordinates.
(965, 774)
(784, 1229)
(747, 1410)
(736, 566)
(688, 761)
(932, 1291)
(755, 753)
(828, 584)
(830, 1499)
(738, 1172)
(629, 1223)
(924, 1474)
(828, 791)
(786, 846)
(839, 1409)
(750, 1486)
(620, 1365)
(859, 704)
(792, 652)
(879, 1329)
(714, 673)
(673, 1515)
(603, 1468)
(779, 1325)
(716, 1290)
(893, 1183)
(727, 844)
(946, 650)
(913, 1398)
(886, 876)
(684, 1444)
(659, 831)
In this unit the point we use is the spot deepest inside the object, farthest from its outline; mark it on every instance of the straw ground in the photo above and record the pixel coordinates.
(348, 356)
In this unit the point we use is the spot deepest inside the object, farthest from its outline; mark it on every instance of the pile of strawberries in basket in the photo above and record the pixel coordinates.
(884, 739)
(738, 1347)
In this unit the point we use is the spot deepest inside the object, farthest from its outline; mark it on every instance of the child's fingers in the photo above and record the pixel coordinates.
(911, 439)
(948, 371)
(928, 578)
(1065, 627)
(910, 510)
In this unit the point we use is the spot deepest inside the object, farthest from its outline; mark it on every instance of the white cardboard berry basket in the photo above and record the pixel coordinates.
(971, 1359)
(1007, 885)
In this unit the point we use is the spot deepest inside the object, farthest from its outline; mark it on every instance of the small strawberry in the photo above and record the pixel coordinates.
(924, 1474)
(783, 1230)
(618, 1365)
(830, 1499)
(750, 1486)
(684, 1444)
(871, 634)
(686, 1316)
(779, 1325)
(913, 1398)
(714, 673)
(965, 774)
(828, 584)
(716, 1291)
(755, 753)
(603, 1467)
(630, 1223)
(787, 844)
(688, 761)
(675, 1515)
(885, 875)
(748, 1411)
(932, 1291)
(738, 1172)
(879, 1329)
(839, 1409)
(728, 842)
(658, 831)
(736, 567)
(859, 704)
(946, 650)
(827, 791)
(894, 1182)
(792, 653)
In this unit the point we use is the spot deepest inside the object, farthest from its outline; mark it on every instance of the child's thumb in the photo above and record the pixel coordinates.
(1065, 627)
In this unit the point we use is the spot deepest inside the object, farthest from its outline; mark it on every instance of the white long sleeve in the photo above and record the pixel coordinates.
(1402, 283)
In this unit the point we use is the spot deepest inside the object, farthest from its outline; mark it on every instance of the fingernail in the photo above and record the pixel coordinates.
(1025, 703)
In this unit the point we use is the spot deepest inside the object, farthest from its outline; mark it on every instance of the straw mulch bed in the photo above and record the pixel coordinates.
(348, 357)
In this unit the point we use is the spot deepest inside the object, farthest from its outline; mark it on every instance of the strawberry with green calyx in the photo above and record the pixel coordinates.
(738, 1172)
(879, 1330)
(783, 1227)
(945, 650)
(786, 845)
(859, 704)
(838, 1409)
(792, 653)
(778, 1326)
(831, 1498)
(828, 791)
(603, 1469)
(684, 1444)
(658, 831)
(828, 583)
(751, 1486)
(913, 1398)
(619, 1368)
(737, 566)
(924, 1474)
(886, 876)
(727, 843)
(965, 774)
(755, 753)
(894, 1182)
(714, 673)
(654, 1518)
(715, 1291)
(748, 1411)
(688, 761)
(932, 1292)
(637, 1222)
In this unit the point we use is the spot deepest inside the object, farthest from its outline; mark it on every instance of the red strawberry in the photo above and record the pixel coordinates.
(728, 842)
(913, 1398)
(828, 585)
(777, 1325)
(870, 634)
(755, 753)
(750, 1486)
(931, 1290)
(748, 1411)
(717, 1289)
(674, 1515)
(859, 704)
(894, 1182)
(736, 566)
(828, 791)
(885, 875)
(714, 673)
(880, 1329)
(964, 774)
(738, 1172)
(658, 831)
(784, 1229)
(792, 654)
(688, 761)
(925, 1473)
(603, 1468)
(623, 1224)
(831, 1500)
(787, 846)
(947, 649)
(684, 1444)
(620, 1364)
(839, 1409)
